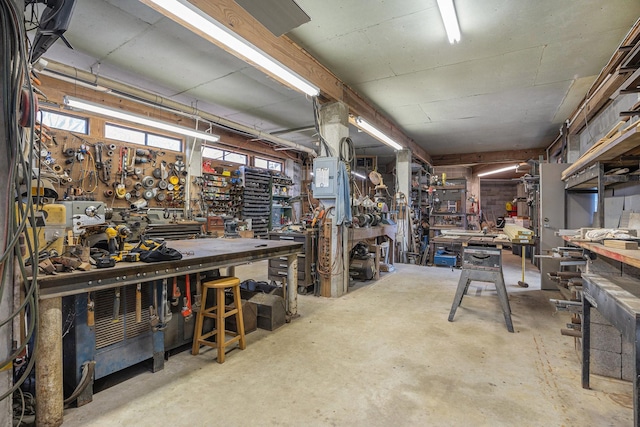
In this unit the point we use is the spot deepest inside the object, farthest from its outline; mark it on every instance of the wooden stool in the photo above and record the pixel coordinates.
(219, 312)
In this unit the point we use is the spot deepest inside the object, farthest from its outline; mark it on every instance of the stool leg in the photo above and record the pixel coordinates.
(220, 336)
(239, 317)
(195, 349)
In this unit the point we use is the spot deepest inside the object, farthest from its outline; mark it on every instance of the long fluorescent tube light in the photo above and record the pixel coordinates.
(358, 175)
(450, 20)
(505, 169)
(368, 128)
(92, 107)
(191, 17)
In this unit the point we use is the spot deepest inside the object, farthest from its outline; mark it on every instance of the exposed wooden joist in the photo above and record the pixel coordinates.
(605, 85)
(489, 157)
(284, 50)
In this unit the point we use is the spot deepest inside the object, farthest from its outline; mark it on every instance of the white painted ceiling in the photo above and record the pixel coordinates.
(520, 69)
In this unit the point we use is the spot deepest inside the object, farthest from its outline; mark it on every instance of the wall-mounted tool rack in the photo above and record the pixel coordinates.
(256, 203)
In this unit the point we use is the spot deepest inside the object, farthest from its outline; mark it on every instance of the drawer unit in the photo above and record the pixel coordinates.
(306, 260)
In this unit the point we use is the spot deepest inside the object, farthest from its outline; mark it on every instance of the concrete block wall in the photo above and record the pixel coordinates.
(611, 355)
(494, 194)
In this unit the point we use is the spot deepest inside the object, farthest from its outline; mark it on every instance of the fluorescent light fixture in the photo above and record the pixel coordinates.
(360, 123)
(505, 169)
(358, 175)
(203, 25)
(92, 107)
(448, 13)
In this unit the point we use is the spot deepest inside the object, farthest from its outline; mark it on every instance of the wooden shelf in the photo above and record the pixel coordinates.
(627, 256)
(450, 187)
(623, 144)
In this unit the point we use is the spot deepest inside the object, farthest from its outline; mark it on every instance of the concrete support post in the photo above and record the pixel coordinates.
(49, 400)
(334, 126)
(403, 174)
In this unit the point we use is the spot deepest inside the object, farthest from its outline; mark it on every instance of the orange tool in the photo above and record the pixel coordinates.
(175, 295)
(186, 310)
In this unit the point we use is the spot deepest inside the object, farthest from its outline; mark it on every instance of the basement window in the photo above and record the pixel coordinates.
(229, 156)
(267, 164)
(135, 136)
(64, 121)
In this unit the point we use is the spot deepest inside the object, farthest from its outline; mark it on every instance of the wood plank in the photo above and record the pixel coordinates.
(621, 244)
(631, 257)
(488, 157)
(613, 149)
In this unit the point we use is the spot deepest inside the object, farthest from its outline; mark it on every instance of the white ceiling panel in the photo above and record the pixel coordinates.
(519, 70)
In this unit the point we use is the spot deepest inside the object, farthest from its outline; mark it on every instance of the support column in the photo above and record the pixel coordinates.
(194, 167)
(49, 394)
(334, 119)
(403, 173)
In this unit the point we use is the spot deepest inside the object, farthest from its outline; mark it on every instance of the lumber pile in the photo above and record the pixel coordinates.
(517, 234)
(615, 143)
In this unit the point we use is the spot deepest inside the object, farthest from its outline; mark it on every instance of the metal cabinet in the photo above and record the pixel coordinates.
(306, 259)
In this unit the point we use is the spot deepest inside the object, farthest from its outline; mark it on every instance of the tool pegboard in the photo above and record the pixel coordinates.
(122, 175)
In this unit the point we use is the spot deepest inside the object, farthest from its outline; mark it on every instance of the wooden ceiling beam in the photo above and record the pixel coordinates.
(292, 56)
(489, 157)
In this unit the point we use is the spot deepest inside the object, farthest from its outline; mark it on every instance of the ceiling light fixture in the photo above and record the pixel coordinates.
(358, 175)
(505, 169)
(362, 124)
(92, 107)
(203, 25)
(450, 20)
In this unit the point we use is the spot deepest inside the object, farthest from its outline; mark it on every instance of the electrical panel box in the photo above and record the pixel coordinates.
(325, 177)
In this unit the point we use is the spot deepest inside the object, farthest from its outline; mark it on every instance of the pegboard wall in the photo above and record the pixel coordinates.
(83, 167)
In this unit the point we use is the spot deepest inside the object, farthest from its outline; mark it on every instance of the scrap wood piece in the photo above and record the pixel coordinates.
(621, 244)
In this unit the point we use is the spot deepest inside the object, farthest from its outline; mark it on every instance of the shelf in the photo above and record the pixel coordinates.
(450, 187)
(626, 256)
(451, 213)
(623, 144)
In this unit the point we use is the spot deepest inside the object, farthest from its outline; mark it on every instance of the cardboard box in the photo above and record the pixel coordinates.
(247, 234)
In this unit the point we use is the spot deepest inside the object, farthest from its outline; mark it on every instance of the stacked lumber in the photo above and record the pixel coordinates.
(614, 144)
(517, 234)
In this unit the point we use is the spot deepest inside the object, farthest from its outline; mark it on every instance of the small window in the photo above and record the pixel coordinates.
(136, 136)
(235, 157)
(165, 142)
(229, 156)
(267, 164)
(64, 122)
(124, 134)
(212, 153)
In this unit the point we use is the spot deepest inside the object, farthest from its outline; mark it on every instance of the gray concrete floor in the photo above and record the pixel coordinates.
(382, 355)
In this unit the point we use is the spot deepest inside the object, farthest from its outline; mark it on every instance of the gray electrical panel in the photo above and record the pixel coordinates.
(325, 177)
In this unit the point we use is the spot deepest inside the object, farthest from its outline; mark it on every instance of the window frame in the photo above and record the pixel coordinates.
(146, 134)
(40, 117)
(224, 155)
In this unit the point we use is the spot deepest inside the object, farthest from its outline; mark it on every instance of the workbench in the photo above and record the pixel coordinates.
(618, 300)
(198, 255)
(360, 234)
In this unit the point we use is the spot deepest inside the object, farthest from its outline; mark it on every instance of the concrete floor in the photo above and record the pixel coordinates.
(382, 355)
